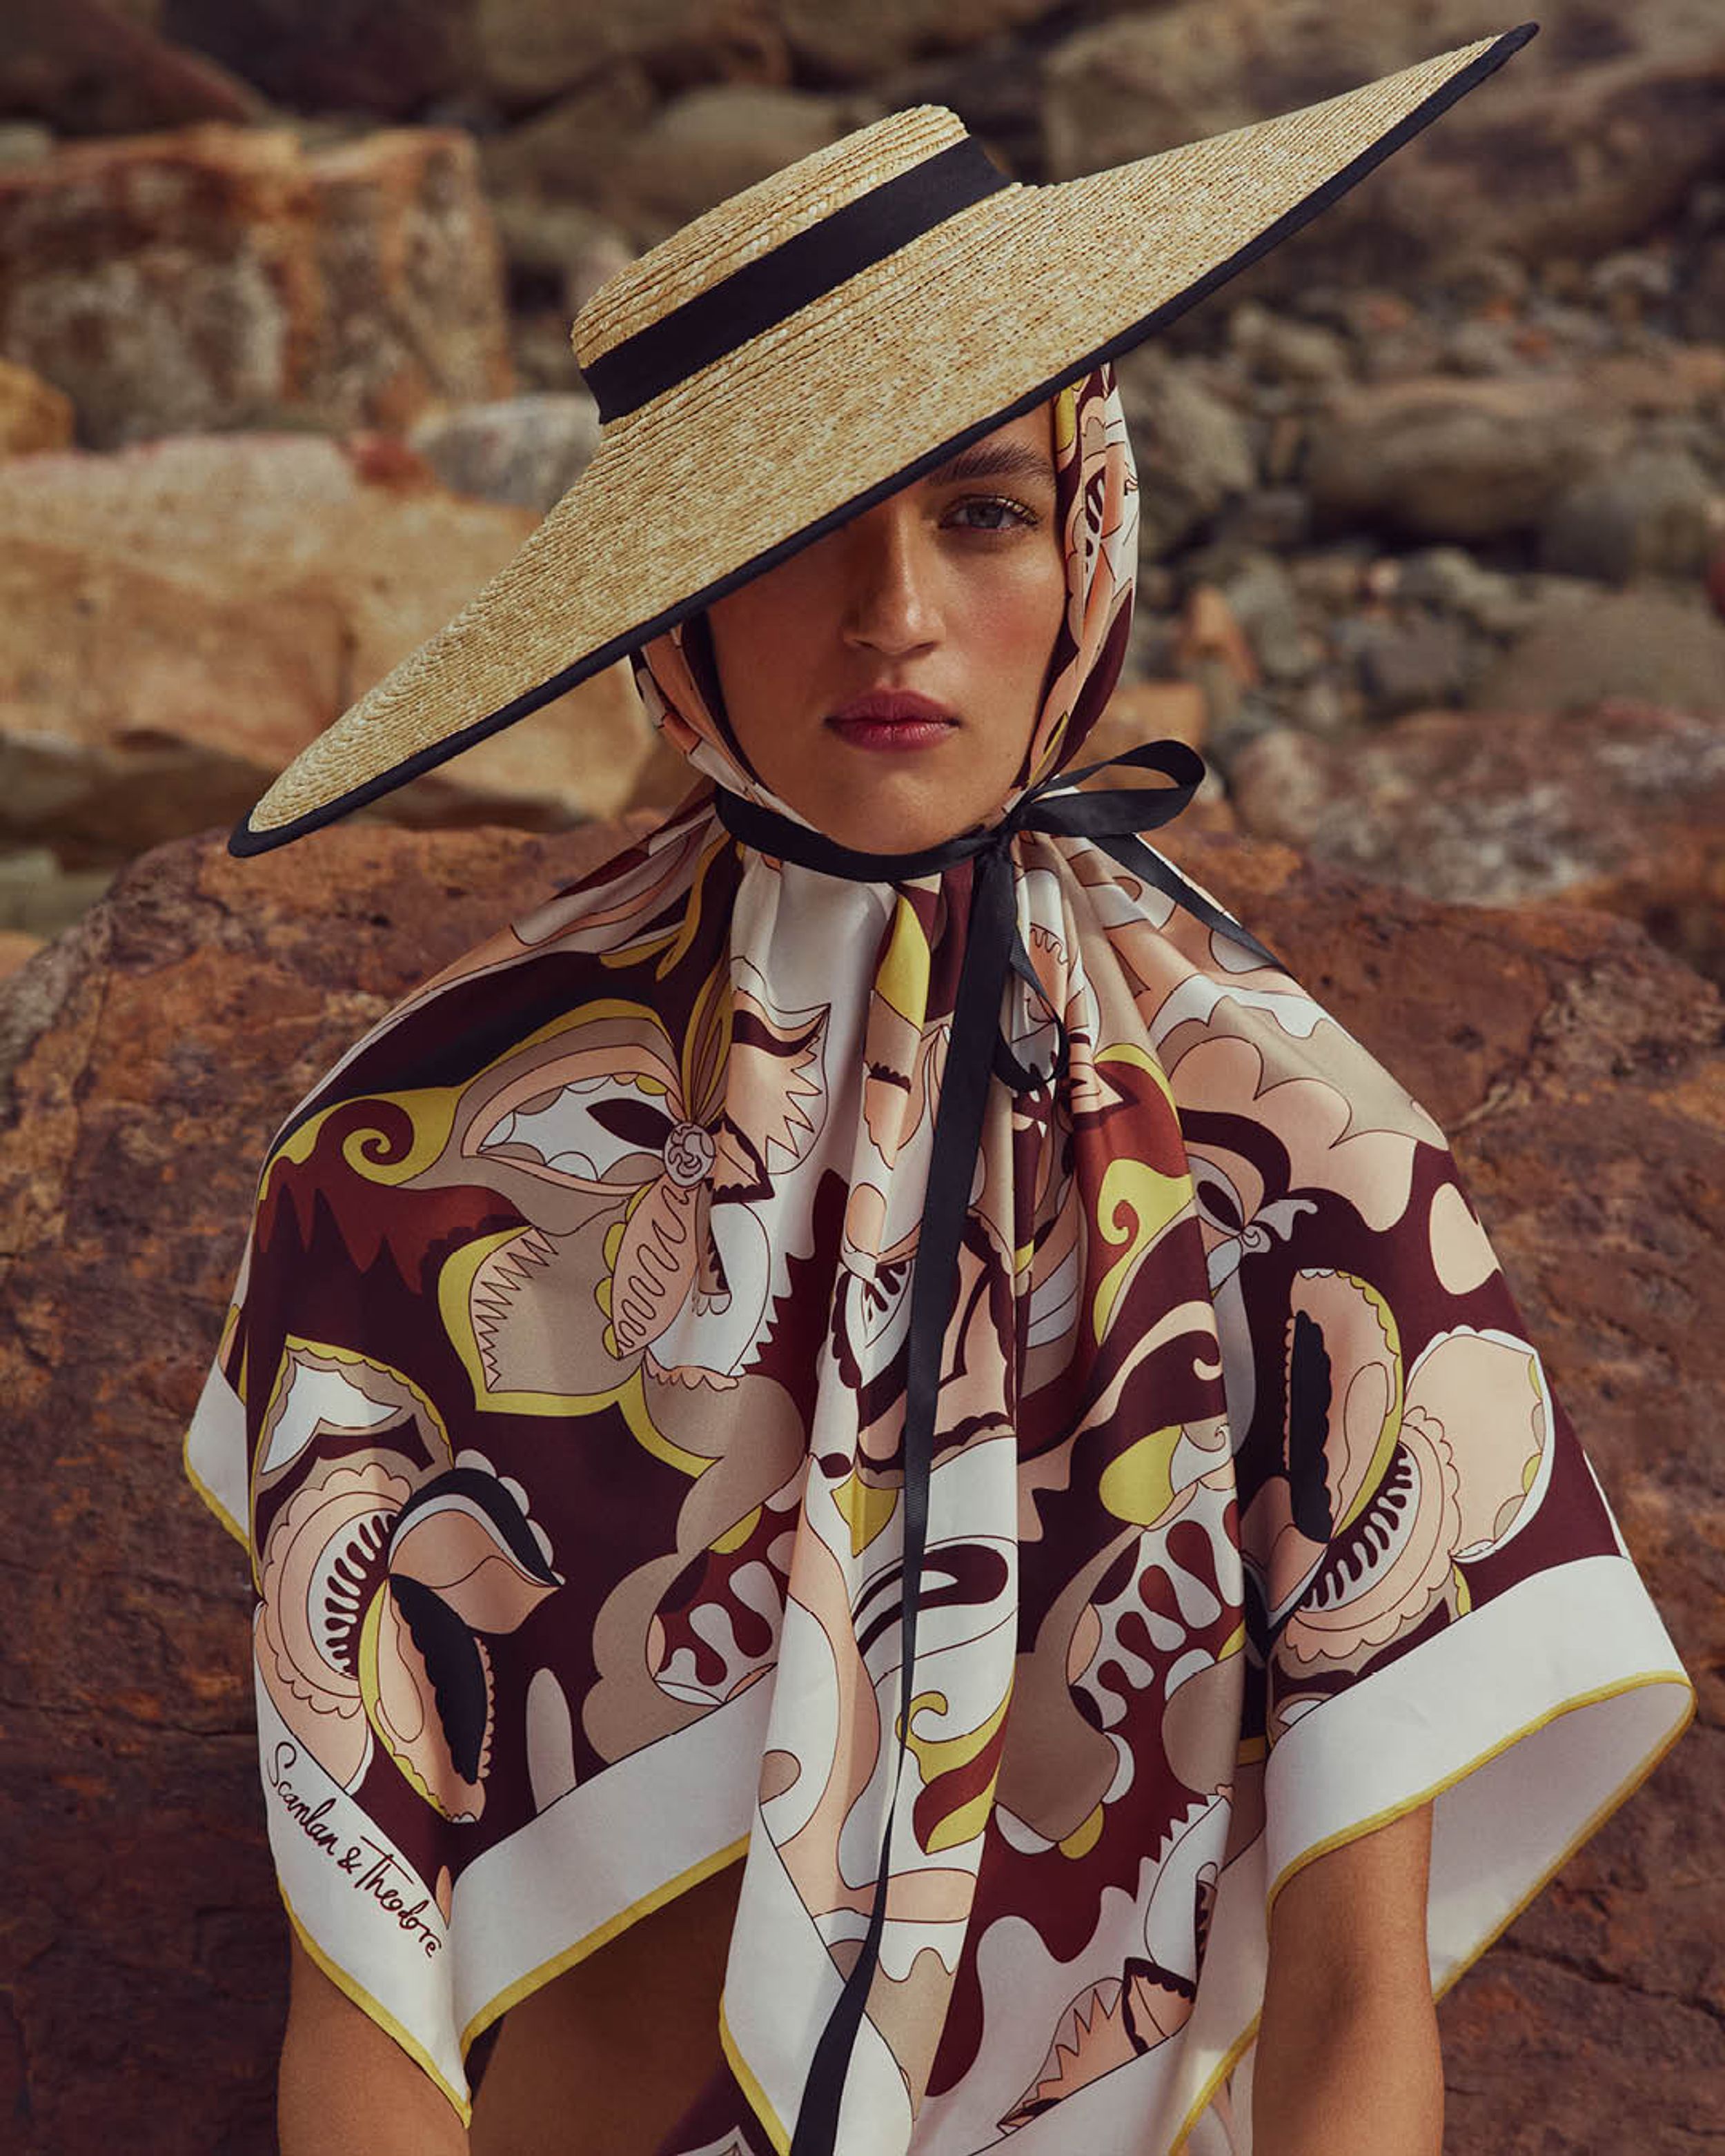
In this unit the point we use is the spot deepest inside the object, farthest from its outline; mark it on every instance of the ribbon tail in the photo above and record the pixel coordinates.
(1132, 853)
(957, 1138)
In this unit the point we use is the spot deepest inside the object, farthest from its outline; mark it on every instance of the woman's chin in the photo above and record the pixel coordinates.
(894, 820)
(864, 834)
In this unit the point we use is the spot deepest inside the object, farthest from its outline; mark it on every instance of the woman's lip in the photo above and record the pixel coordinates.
(897, 705)
(875, 733)
(896, 719)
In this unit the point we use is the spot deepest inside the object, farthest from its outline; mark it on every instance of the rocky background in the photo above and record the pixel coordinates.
(1434, 571)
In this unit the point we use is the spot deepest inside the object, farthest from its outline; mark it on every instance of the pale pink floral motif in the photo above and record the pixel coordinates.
(377, 1581)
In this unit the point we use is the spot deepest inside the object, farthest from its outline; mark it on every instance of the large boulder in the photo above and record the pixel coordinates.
(181, 618)
(1443, 457)
(854, 40)
(1193, 450)
(1619, 806)
(1520, 166)
(152, 1052)
(1652, 645)
(530, 50)
(711, 142)
(1653, 512)
(93, 69)
(386, 57)
(33, 414)
(525, 452)
(224, 277)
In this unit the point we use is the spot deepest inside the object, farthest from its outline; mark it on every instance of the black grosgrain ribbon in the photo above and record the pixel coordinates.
(977, 1051)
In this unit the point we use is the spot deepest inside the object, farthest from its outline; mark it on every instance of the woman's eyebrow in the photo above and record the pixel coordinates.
(999, 460)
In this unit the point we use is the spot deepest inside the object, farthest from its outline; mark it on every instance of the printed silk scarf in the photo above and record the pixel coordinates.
(561, 1410)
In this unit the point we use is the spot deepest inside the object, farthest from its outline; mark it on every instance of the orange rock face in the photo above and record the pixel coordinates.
(33, 414)
(151, 1053)
(178, 619)
(1620, 806)
(221, 276)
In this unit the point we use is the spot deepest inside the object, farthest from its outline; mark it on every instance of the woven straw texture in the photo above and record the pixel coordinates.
(885, 372)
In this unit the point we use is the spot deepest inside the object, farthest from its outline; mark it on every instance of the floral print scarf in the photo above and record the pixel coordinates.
(561, 1412)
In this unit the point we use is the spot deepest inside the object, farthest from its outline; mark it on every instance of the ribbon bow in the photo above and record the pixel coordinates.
(977, 1050)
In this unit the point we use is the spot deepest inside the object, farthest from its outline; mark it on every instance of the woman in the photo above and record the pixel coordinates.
(875, 1399)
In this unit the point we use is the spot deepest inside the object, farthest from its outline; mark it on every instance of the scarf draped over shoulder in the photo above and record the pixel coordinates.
(560, 1412)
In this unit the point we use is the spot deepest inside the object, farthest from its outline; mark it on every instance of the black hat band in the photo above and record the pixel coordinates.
(788, 277)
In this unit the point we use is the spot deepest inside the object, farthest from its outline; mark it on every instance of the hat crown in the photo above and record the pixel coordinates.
(751, 224)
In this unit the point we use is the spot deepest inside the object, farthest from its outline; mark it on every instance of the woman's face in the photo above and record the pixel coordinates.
(952, 589)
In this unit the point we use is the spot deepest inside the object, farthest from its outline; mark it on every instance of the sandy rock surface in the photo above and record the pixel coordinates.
(381, 56)
(1514, 166)
(219, 276)
(102, 67)
(147, 1056)
(178, 619)
(33, 414)
(1661, 646)
(527, 52)
(1621, 806)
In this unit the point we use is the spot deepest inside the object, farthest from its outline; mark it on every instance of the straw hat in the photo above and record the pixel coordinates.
(811, 345)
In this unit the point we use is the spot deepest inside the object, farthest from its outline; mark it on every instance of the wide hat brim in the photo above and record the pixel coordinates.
(853, 394)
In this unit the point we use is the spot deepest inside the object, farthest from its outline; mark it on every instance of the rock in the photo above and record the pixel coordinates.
(212, 991)
(1278, 518)
(1619, 807)
(563, 153)
(184, 616)
(1262, 596)
(1484, 346)
(851, 41)
(1279, 348)
(560, 248)
(16, 949)
(545, 362)
(1632, 282)
(92, 69)
(1516, 169)
(1150, 80)
(1210, 634)
(1646, 646)
(994, 86)
(1666, 379)
(382, 57)
(1194, 455)
(411, 277)
(1448, 458)
(25, 141)
(39, 897)
(150, 1055)
(1449, 579)
(33, 414)
(218, 278)
(132, 709)
(1701, 304)
(713, 141)
(527, 452)
(1408, 664)
(528, 51)
(1146, 711)
(1652, 512)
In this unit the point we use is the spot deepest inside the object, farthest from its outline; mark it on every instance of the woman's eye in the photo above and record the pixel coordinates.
(1002, 511)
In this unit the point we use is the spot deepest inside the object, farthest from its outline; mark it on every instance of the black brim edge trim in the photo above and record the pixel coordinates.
(245, 842)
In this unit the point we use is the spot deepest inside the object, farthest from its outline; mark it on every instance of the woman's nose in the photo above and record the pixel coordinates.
(892, 605)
